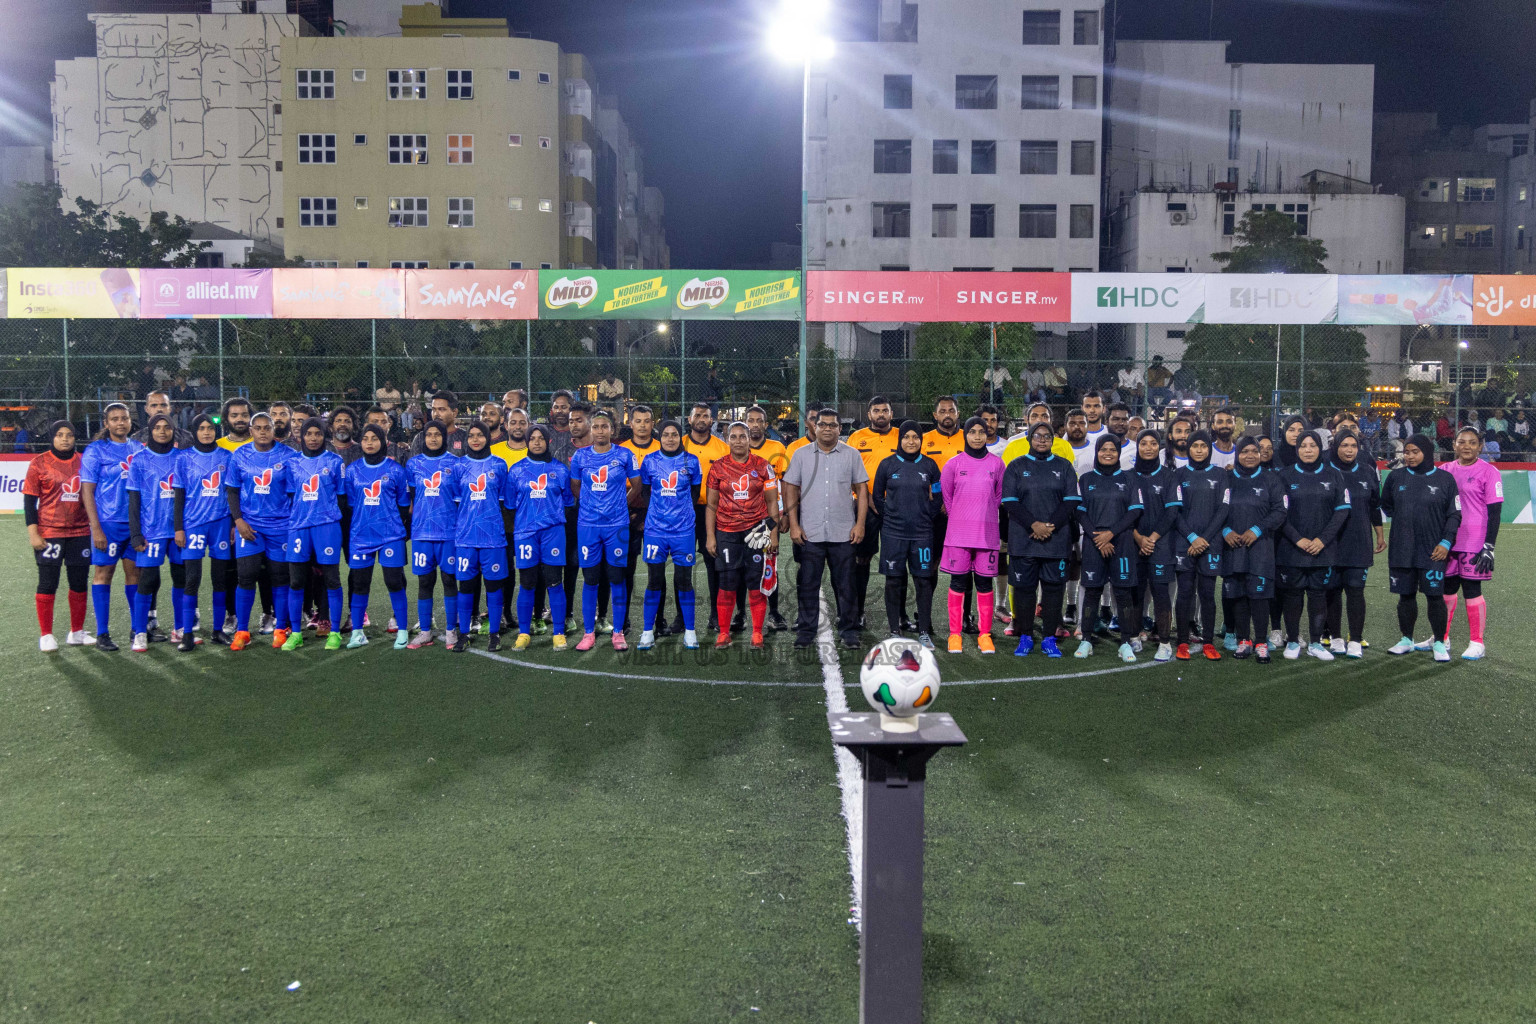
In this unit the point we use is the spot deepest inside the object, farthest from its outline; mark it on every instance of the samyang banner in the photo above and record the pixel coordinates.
(1271, 299)
(471, 294)
(1138, 298)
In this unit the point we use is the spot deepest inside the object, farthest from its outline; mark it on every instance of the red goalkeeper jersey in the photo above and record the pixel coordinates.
(741, 484)
(55, 483)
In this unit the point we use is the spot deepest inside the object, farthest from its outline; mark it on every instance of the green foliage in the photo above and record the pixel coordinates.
(264, 258)
(1239, 361)
(950, 359)
(35, 231)
(1267, 243)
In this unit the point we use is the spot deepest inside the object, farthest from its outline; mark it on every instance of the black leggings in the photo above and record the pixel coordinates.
(1473, 588)
(1254, 610)
(1162, 608)
(194, 577)
(360, 581)
(656, 577)
(1352, 598)
(149, 580)
(896, 601)
(1317, 613)
(1051, 597)
(1125, 602)
(299, 574)
(595, 575)
(426, 585)
(48, 577)
(1191, 585)
(252, 569)
(1407, 614)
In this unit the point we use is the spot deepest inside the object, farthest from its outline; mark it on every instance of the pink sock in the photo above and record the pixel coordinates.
(956, 611)
(984, 603)
(1477, 617)
(1450, 614)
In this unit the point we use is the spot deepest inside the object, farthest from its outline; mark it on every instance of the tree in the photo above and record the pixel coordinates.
(36, 231)
(950, 358)
(1267, 243)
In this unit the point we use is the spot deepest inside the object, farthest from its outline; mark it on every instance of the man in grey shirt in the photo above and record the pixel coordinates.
(826, 496)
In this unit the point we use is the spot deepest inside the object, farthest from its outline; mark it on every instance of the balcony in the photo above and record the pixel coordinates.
(578, 251)
(580, 190)
(576, 128)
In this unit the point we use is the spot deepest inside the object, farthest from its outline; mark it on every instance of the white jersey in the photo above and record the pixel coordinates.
(1128, 455)
(1223, 459)
(997, 447)
(1095, 433)
(1180, 461)
(1082, 458)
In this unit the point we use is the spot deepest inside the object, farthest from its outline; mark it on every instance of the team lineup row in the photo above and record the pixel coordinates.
(1284, 527)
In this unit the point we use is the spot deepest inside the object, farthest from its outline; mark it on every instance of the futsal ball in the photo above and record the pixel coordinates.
(900, 677)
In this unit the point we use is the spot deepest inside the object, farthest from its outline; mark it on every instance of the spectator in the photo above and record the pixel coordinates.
(1370, 432)
(827, 499)
(1520, 430)
(1444, 433)
(517, 398)
(1185, 387)
(388, 398)
(1491, 450)
(993, 381)
(181, 401)
(1159, 384)
(1498, 422)
(1056, 383)
(1130, 383)
(712, 390)
(610, 390)
(1034, 383)
(22, 442)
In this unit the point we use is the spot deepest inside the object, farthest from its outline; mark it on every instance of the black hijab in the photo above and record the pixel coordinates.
(543, 432)
(376, 459)
(53, 434)
(1114, 442)
(313, 421)
(426, 445)
(909, 427)
(1285, 452)
(1205, 436)
(1147, 467)
(205, 448)
(965, 432)
(158, 447)
(1317, 439)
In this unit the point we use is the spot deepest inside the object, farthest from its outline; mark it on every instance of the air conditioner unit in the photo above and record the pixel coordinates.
(570, 88)
(1178, 217)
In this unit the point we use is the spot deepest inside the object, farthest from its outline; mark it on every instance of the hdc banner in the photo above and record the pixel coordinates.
(1271, 299)
(471, 294)
(1138, 298)
(199, 294)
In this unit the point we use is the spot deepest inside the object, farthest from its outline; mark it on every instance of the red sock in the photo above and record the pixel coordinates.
(1450, 614)
(1477, 617)
(956, 610)
(757, 604)
(45, 613)
(725, 607)
(76, 610)
(984, 609)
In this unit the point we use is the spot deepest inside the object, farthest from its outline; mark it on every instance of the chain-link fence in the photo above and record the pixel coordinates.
(54, 368)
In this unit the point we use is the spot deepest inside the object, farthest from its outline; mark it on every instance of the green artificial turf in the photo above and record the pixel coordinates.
(417, 836)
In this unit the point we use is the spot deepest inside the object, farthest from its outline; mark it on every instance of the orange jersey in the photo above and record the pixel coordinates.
(708, 454)
(55, 483)
(740, 486)
(639, 452)
(796, 445)
(774, 454)
(873, 447)
(940, 448)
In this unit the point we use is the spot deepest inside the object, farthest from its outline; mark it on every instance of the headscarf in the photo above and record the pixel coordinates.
(383, 436)
(483, 453)
(426, 446)
(909, 427)
(1333, 452)
(53, 433)
(1111, 441)
(201, 419)
(544, 432)
(1147, 466)
(1205, 436)
(313, 421)
(1246, 441)
(1425, 445)
(159, 448)
(1285, 452)
(1030, 435)
(965, 432)
(1317, 440)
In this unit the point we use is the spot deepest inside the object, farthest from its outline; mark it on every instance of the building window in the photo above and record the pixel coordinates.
(461, 149)
(362, 264)
(1040, 92)
(359, 140)
(1082, 158)
(407, 83)
(543, 141)
(1429, 236)
(359, 74)
(1085, 28)
(461, 264)
(543, 77)
(407, 211)
(1298, 212)
(514, 140)
(1435, 190)
(1085, 92)
(359, 202)
(893, 220)
(1523, 193)
(983, 156)
(515, 265)
(946, 156)
(407, 149)
(1234, 132)
(1037, 156)
(1473, 236)
(973, 270)
(545, 266)
(461, 84)
(514, 75)
(546, 206)
(317, 149)
(1042, 28)
(210, 260)
(317, 211)
(1520, 144)
(1476, 190)
(1229, 219)
(898, 92)
(407, 264)
(1037, 220)
(317, 83)
(1520, 237)
(515, 203)
(983, 220)
(945, 220)
(320, 263)
(893, 156)
(975, 92)
(893, 344)
(461, 211)
(1081, 224)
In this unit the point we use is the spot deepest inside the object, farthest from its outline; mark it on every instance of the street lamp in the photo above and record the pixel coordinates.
(629, 356)
(1461, 346)
(797, 35)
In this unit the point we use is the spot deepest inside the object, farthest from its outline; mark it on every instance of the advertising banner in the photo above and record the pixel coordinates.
(319, 293)
(1138, 298)
(735, 295)
(872, 295)
(1408, 301)
(33, 292)
(1004, 298)
(1499, 299)
(471, 294)
(1271, 299)
(13, 473)
(605, 295)
(199, 294)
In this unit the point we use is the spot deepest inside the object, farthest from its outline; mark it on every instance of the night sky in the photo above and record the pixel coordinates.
(720, 121)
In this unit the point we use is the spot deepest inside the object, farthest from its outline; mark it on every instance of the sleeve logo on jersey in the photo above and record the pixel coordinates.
(311, 488)
(539, 487)
(371, 492)
(168, 487)
(69, 490)
(669, 485)
(599, 479)
(739, 489)
(211, 484)
(430, 484)
(477, 488)
(262, 482)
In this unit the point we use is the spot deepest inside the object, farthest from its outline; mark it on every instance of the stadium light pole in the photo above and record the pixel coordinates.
(796, 36)
(629, 356)
(1461, 346)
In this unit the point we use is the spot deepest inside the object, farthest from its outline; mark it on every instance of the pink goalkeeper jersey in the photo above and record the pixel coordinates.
(973, 492)
(1479, 485)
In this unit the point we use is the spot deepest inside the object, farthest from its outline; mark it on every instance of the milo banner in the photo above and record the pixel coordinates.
(668, 295)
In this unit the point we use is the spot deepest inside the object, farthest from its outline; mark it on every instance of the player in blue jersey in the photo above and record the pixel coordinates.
(314, 530)
(478, 484)
(202, 526)
(433, 519)
(668, 478)
(538, 493)
(257, 490)
(601, 476)
(151, 524)
(379, 495)
(103, 486)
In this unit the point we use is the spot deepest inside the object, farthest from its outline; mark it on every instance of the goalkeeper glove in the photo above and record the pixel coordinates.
(758, 538)
(1484, 559)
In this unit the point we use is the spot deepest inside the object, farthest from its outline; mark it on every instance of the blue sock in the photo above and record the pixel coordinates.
(652, 604)
(423, 613)
(295, 606)
(557, 609)
(493, 609)
(130, 593)
(588, 607)
(245, 598)
(220, 608)
(101, 600)
(466, 602)
(333, 601)
(359, 609)
(398, 606)
(178, 609)
(620, 604)
(525, 610)
(686, 597)
(138, 614)
(186, 610)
